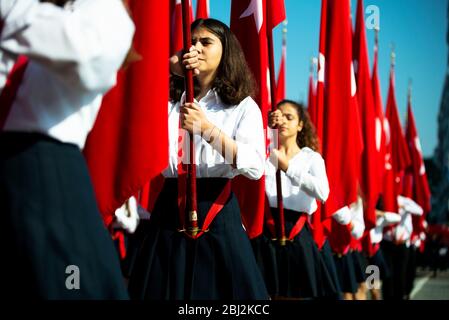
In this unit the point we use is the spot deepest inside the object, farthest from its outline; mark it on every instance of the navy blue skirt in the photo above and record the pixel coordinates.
(297, 269)
(264, 249)
(379, 261)
(326, 253)
(346, 273)
(166, 264)
(411, 270)
(396, 257)
(54, 241)
(360, 265)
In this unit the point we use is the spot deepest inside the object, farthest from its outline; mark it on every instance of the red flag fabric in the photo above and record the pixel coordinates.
(420, 186)
(341, 122)
(320, 228)
(248, 24)
(421, 190)
(380, 123)
(389, 192)
(321, 72)
(202, 9)
(397, 154)
(176, 32)
(368, 247)
(128, 145)
(280, 87)
(340, 115)
(275, 13)
(368, 181)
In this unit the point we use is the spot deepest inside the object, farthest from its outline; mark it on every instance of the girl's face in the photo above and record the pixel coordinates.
(210, 50)
(291, 124)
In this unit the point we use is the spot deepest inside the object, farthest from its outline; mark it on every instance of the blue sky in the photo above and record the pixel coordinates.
(416, 27)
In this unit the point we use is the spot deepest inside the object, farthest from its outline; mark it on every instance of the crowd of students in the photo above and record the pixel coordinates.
(57, 60)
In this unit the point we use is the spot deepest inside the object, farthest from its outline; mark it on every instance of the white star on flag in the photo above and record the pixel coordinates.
(255, 8)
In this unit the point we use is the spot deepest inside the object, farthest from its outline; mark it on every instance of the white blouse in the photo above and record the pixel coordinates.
(357, 219)
(352, 213)
(74, 57)
(403, 231)
(242, 122)
(388, 219)
(304, 181)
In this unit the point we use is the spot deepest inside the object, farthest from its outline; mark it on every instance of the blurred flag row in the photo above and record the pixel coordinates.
(367, 153)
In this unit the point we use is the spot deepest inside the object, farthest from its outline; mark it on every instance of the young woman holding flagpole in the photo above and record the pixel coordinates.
(226, 124)
(301, 272)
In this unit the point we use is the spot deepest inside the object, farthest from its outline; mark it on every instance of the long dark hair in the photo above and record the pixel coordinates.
(307, 136)
(234, 80)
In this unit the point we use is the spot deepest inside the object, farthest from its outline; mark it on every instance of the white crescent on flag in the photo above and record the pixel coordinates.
(255, 8)
(422, 168)
(179, 2)
(353, 83)
(321, 67)
(208, 8)
(418, 145)
(387, 131)
(268, 85)
(378, 133)
(388, 165)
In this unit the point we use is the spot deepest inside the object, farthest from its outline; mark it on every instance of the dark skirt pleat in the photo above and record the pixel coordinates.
(379, 261)
(396, 256)
(411, 270)
(346, 273)
(165, 264)
(265, 253)
(298, 269)
(52, 228)
(326, 253)
(133, 242)
(360, 265)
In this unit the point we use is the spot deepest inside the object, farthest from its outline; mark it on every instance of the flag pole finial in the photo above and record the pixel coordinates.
(284, 31)
(376, 41)
(313, 63)
(376, 36)
(409, 91)
(393, 55)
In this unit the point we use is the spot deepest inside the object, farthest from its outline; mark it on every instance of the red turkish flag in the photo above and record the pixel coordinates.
(248, 24)
(316, 115)
(342, 140)
(128, 145)
(321, 71)
(368, 180)
(420, 186)
(421, 190)
(275, 13)
(280, 87)
(342, 137)
(202, 9)
(397, 155)
(318, 230)
(389, 192)
(176, 32)
(380, 123)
